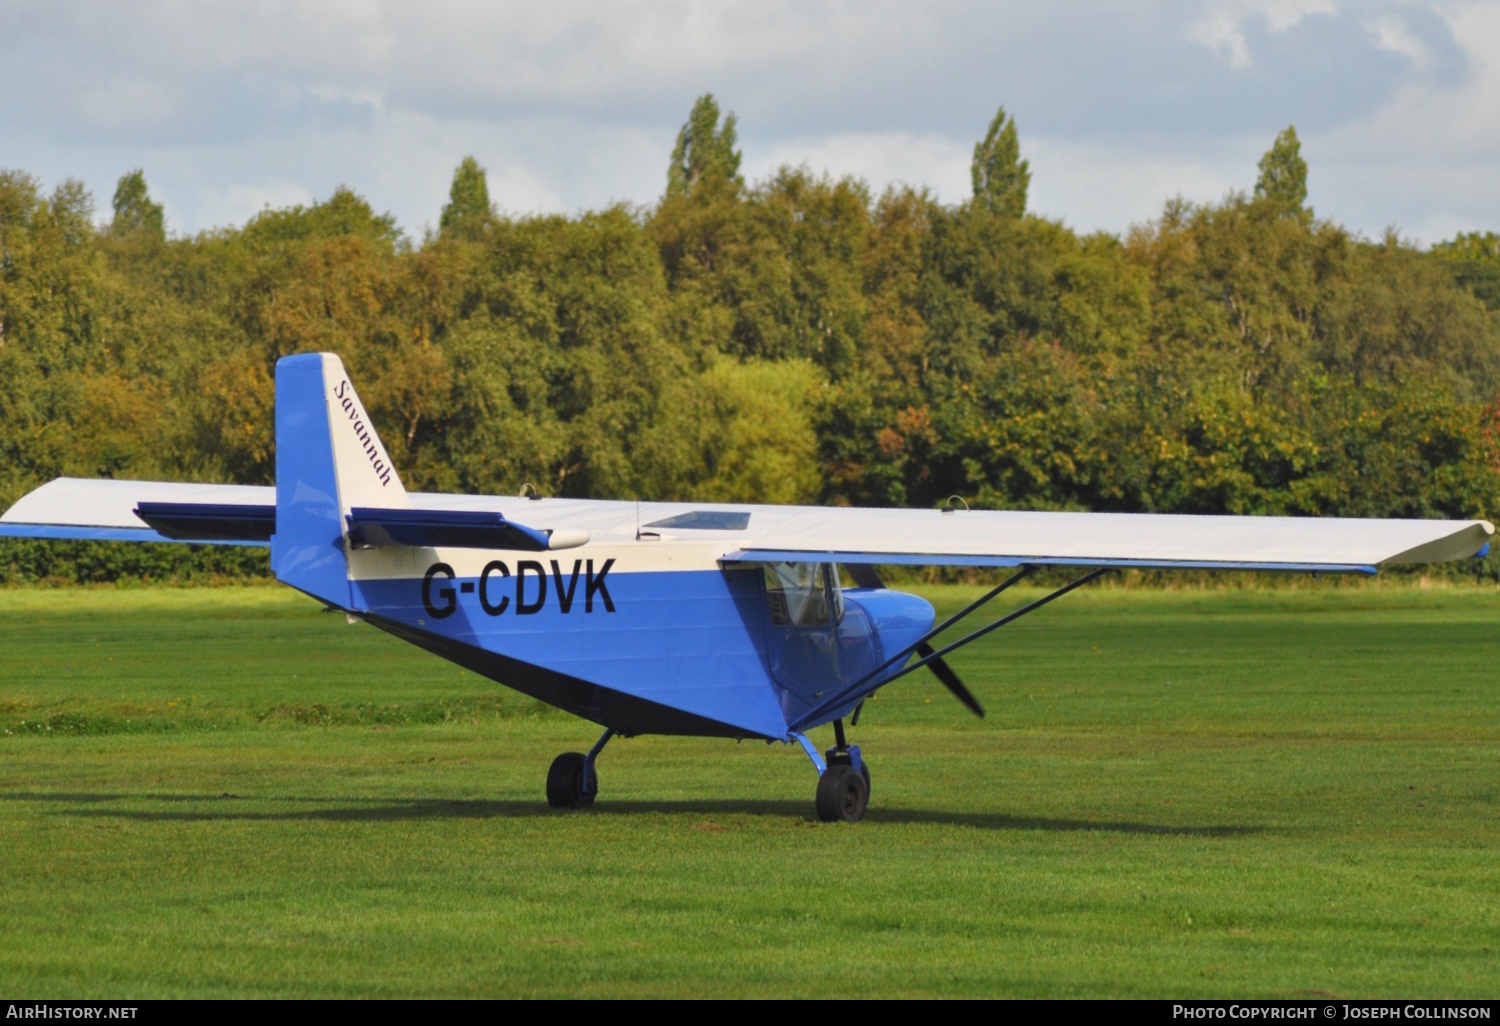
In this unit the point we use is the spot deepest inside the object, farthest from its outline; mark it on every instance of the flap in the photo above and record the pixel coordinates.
(441, 528)
(202, 521)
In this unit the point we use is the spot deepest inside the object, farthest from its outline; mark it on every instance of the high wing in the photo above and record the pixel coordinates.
(71, 507)
(799, 534)
(75, 508)
(1166, 541)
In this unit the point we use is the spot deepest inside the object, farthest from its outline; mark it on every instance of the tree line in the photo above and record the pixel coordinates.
(795, 339)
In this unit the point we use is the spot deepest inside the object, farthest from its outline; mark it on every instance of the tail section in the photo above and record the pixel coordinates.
(328, 461)
(366, 476)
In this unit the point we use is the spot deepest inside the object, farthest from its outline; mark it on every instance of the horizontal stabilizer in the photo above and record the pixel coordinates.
(433, 528)
(209, 522)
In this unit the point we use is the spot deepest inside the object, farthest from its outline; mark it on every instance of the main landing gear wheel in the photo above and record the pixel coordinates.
(565, 783)
(842, 794)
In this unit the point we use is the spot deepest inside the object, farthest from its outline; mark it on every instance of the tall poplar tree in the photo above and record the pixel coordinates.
(1283, 173)
(705, 149)
(999, 175)
(468, 210)
(134, 211)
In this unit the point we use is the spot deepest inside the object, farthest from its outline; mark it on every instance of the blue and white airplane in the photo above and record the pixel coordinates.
(713, 620)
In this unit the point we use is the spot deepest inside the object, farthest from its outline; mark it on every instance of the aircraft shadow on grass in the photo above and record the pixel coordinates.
(222, 807)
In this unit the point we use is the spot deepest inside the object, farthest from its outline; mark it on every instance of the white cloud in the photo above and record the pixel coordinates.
(1220, 31)
(1281, 15)
(1425, 160)
(572, 105)
(1391, 34)
(575, 56)
(1436, 122)
(1222, 27)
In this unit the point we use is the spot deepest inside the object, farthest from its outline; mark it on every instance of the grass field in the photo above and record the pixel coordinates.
(1247, 793)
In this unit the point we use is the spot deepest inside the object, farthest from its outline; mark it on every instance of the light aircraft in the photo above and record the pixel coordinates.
(713, 620)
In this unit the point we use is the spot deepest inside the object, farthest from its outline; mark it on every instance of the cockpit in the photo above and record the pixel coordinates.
(803, 594)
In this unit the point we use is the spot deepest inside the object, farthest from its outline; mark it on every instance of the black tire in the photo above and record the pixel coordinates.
(842, 795)
(565, 782)
(842, 759)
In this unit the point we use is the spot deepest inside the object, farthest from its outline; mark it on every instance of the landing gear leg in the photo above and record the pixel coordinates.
(573, 782)
(843, 753)
(843, 778)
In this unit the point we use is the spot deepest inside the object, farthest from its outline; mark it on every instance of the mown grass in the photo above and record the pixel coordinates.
(224, 792)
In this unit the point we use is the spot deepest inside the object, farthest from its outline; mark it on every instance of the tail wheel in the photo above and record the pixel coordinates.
(565, 783)
(842, 795)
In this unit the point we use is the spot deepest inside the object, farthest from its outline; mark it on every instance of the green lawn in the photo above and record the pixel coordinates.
(225, 792)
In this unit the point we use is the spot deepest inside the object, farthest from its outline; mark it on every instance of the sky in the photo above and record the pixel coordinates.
(231, 106)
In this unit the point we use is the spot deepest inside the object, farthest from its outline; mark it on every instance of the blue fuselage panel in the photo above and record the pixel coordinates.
(678, 651)
(690, 641)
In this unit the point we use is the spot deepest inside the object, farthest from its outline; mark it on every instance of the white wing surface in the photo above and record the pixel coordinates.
(71, 507)
(983, 538)
(989, 538)
(74, 508)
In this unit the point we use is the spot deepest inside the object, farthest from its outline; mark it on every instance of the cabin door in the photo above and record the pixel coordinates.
(817, 643)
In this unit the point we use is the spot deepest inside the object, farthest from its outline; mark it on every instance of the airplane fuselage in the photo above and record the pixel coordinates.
(648, 636)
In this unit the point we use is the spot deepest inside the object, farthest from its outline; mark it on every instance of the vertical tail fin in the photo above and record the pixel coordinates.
(328, 460)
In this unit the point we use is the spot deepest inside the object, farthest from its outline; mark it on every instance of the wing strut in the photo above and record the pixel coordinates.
(866, 576)
(1007, 618)
(830, 704)
(896, 659)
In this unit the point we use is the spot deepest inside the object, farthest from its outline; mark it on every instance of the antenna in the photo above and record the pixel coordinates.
(652, 535)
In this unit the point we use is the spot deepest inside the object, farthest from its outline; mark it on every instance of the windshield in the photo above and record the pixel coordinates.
(798, 593)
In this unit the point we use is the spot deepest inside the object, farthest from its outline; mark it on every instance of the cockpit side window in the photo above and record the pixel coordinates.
(797, 593)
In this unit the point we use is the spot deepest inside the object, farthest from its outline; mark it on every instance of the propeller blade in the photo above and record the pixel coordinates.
(943, 672)
(866, 576)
